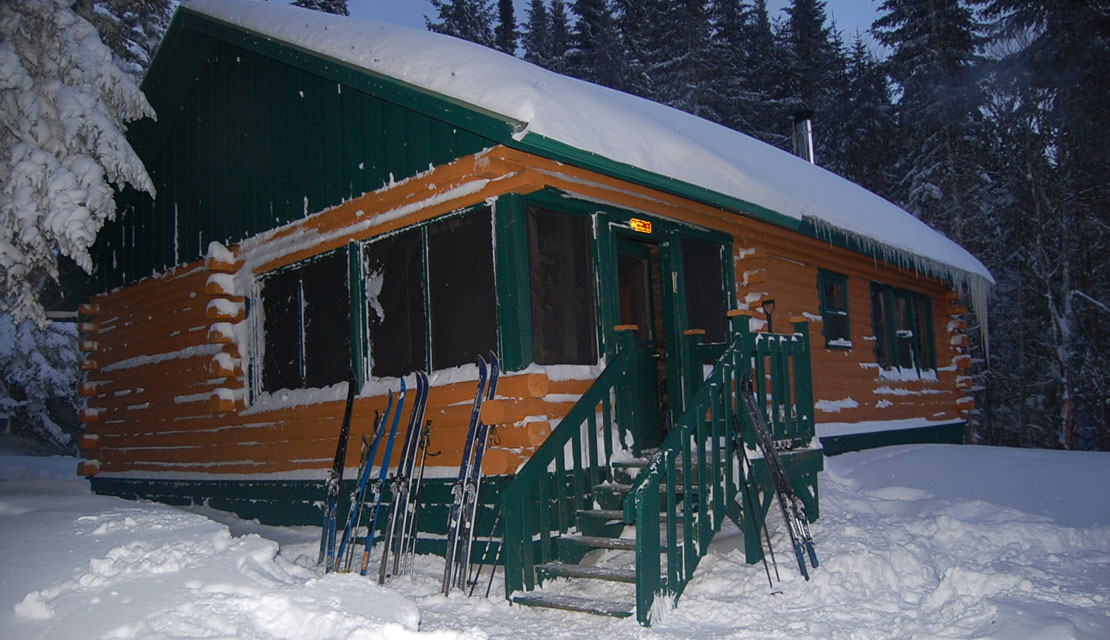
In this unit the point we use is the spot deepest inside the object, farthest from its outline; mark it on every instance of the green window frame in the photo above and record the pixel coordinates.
(832, 291)
(305, 343)
(902, 321)
(444, 313)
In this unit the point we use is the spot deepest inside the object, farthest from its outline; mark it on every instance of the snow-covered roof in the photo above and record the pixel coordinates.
(623, 129)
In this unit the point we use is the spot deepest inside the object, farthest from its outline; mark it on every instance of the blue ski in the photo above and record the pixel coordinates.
(381, 480)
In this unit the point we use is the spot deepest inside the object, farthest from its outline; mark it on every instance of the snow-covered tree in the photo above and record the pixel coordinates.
(338, 7)
(38, 385)
(63, 108)
(467, 19)
(132, 29)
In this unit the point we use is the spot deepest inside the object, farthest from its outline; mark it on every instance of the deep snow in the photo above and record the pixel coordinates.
(921, 541)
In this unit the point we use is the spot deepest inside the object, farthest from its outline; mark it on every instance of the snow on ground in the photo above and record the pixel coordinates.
(920, 541)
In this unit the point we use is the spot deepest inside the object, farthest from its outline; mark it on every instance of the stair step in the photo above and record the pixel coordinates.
(601, 542)
(575, 603)
(610, 514)
(634, 463)
(563, 570)
(624, 488)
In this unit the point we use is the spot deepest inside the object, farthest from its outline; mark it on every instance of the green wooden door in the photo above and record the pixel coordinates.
(641, 304)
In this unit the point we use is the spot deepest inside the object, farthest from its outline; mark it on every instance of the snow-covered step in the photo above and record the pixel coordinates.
(601, 542)
(595, 606)
(563, 570)
(609, 514)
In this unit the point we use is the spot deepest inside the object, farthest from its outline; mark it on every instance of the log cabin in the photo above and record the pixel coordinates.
(341, 199)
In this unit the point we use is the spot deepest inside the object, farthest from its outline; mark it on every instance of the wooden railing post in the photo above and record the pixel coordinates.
(694, 339)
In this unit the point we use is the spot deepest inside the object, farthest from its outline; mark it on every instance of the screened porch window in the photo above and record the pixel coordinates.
(703, 279)
(430, 291)
(307, 324)
(561, 275)
(903, 324)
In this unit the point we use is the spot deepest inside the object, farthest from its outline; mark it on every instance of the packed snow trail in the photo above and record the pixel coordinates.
(925, 541)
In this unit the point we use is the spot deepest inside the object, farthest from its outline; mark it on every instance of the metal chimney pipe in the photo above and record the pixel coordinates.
(803, 134)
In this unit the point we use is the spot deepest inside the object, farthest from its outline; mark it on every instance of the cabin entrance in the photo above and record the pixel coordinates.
(639, 278)
(666, 281)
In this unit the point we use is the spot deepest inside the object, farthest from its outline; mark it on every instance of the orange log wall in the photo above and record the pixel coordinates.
(166, 383)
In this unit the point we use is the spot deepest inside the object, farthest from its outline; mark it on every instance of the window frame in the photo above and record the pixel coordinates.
(824, 277)
(258, 362)
(921, 339)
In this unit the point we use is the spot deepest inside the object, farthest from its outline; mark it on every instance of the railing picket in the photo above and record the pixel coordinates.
(544, 522)
(591, 446)
(674, 558)
(607, 425)
(578, 471)
(563, 512)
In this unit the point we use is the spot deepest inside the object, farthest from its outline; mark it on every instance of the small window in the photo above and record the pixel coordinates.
(903, 324)
(703, 281)
(306, 324)
(561, 278)
(832, 289)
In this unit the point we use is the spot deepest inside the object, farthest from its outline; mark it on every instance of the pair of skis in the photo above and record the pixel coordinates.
(464, 507)
(793, 510)
(404, 489)
(367, 492)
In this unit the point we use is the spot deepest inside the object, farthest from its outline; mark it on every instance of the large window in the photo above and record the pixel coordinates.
(561, 274)
(832, 289)
(903, 325)
(395, 311)
(430, 290)
(306, 324)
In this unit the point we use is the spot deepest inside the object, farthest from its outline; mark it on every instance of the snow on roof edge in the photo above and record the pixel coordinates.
(647, 136)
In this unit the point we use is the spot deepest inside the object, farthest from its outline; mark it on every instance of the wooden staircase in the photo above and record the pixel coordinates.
(589, 527)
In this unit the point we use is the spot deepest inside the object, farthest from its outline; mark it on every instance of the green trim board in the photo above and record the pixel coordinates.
(950, 433)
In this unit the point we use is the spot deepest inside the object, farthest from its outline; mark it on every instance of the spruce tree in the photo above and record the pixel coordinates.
(337, 7)
(467, 19)
(595, 53)
(505, 35)
(537, 34)
(560, 35)
(132, 29)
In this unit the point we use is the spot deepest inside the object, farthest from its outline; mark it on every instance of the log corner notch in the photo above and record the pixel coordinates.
(226, 308)
(518, 421)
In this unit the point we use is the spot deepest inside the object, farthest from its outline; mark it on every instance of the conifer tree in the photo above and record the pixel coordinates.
(337, 7)
(467, 19)
(505, 35)
(537, 34)
(595, 53)
(132, 29)
(560, 35)
(64, 105)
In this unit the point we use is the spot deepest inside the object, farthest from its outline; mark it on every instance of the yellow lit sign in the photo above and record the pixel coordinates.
(643, 226)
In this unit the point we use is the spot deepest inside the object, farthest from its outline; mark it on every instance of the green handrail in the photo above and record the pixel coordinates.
(560, 476)
(695, 460)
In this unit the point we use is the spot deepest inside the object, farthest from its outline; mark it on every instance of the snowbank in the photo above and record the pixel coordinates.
(921, 541)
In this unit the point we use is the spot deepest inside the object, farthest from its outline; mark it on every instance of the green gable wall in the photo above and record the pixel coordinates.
(252, 135)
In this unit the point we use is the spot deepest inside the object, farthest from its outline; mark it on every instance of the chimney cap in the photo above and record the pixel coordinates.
(803, 114)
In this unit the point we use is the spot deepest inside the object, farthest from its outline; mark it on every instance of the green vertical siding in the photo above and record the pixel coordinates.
(254, 137)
